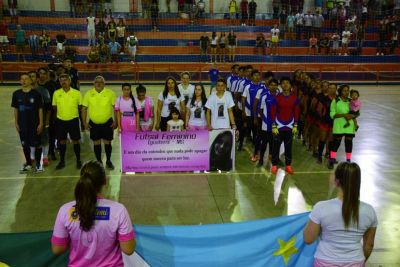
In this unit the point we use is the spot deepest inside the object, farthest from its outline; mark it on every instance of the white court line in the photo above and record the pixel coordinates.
(172, 174)
(383, 106)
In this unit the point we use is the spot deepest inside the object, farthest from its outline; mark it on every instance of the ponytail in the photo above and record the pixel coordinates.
(348, 176)
(89, 185)
(133, 102)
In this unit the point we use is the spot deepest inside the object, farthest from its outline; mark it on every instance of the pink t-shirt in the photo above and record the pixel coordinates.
(128, 116)
(355, 105)
(98, 247)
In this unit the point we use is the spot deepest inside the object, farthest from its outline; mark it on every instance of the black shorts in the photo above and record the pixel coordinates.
(339, 136)
(71, 127)
(213, 46)
(29, 137)
(222, 46)
(102, 131)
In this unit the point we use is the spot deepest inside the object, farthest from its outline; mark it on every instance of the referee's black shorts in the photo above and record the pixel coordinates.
(71, 127)
(103, 131)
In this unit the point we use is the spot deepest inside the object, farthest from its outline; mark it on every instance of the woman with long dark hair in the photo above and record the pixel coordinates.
(196, 111)
(340, 113)
(342, 222)
(169, 98)
(128, 110)
(95, 229)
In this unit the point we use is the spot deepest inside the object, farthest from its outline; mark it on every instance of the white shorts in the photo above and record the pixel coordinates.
(132, 50)
(4, 39)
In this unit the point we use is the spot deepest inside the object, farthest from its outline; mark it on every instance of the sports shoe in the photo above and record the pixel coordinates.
(60, 165)
(319, 160)
(109, 165)
(45, 161)
(348, 160)
(39, 168)
(260, 164)
(254, 158)
(78, 164)
(274, 169)
(289, 169)
(25, 168)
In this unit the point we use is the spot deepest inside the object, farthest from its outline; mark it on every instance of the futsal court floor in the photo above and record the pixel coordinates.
(30, 202)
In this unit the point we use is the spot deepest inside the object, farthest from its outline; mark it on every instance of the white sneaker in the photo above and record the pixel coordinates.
(25, 168)
(381, 54)
(345, 54)
(377, 54)
(38, 168)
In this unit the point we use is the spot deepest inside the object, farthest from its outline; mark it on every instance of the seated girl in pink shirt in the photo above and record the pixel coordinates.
(355, 106)
(128, 109)
(94, 229)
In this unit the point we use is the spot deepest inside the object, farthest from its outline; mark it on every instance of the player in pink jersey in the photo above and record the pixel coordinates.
(94, 229)
(128, 110)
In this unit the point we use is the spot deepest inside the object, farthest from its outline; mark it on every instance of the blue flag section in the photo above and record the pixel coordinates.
(269, 242)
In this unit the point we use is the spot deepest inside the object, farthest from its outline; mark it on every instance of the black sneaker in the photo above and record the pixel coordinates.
(109, 165)
(319, 160)
(60, 165)
(260, 164)
(78, 164)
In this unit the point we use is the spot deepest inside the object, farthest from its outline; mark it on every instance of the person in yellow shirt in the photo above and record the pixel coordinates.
(100, 102)
(67, 102)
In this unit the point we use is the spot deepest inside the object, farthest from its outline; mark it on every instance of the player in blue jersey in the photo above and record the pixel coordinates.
(267, 100)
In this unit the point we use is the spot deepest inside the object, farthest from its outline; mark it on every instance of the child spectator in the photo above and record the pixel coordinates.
(290, 25)
(324, 45)
(222, 47)
(154, 10)
(132, 43)
(213, 46)
(44, 42)
(214, 76)
(232, 11)
(313, 45)
(93, 55)
(20, 42)
(274, 40)
(121, 34)
(91, 30)
(355, 106)
(61, 40)
(175, 124)
(232, 43)
(345, 40)
(12, 7)
(101, 27)
(204, 43)
(260, 43)
(252, 13)
(4, 36)
(114, 50)
(335, 43)
(33, 42)
(244, 9)
(111, 30)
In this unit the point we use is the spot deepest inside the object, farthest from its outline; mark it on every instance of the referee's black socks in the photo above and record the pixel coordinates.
(108, 149)
(97, 152)
(77, 150)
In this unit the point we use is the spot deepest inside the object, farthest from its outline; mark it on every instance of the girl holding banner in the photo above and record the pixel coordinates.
(127, 110)
(196, 111)
(147, 114)
(168, 99)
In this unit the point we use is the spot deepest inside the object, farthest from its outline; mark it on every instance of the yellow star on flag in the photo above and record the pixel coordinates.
(286, 249)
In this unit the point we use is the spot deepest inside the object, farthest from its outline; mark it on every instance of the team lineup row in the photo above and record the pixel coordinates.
(269, 113)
